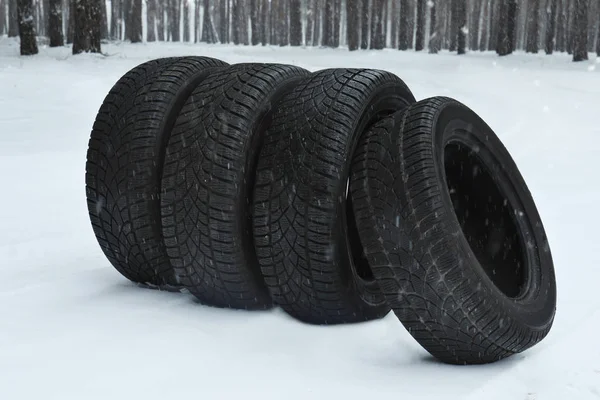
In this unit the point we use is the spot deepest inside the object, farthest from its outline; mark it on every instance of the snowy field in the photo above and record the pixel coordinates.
(72, 328)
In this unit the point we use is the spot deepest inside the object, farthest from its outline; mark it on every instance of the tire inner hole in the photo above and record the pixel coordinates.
(487, 219)
(361, 264)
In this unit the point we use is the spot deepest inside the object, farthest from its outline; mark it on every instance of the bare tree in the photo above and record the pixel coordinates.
(506, 27)
(223, 21)
(461, 21)
(13, 19)
(435, 38)
(353, 16)
(337, 12)
(580, 36)
(598, 32)
(151, 15)
(533, 23)
(395, 21)
(134, 22)
(550, 26)
(365, 24)
(115, 19)
(3, 27)
(186, 21)
(26, 27)
(421, 18)
(403, 35)
(295, 23)
(55, 23)
(265, 26)
(474, 26)
(87, 17)
(208, 30)
(103, 20)
(377, 34)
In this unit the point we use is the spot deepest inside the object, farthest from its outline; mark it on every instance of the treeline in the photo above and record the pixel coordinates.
(503, 26)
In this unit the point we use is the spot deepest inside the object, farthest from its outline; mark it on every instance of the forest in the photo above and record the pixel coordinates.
(503, 26)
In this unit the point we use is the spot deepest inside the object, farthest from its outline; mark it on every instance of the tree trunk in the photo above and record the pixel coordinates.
(223, 22)
(493, 36)
(160, 22)
(474, 28)
(87, 15)
(207, 25)
(103, 20)
(395, 22)
(420, 36)
(337, 13)
(327, 39)
(551, 26)
(485, 25)
(353, 18)
(134, 22)
(295, 22)
(506, 27)
(13, 19)
(26, 27)
(403, 34)
(435, 39)
(115, 17)
(151, 20)
(598, 33)
(580, 36)
(55, 23)
(186, 21)
(310, 22)
(254, 13)
(3, 28)
(461, 19)
(264, 26)
(377, 37)
(364, 23)
(533, 23)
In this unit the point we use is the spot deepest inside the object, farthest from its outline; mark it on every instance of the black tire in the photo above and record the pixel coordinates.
(208, 183)
(124, 164)
(307, 246)
(452, 234)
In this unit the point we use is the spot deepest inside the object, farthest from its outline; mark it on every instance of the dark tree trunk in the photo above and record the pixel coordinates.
(103, 20)
(420, 35)
(435, 39)
(377, 36)
(317, 39)
(364, 24)
(26, 27)
(598, 33)
(134, 28)
(223, 22)
(533, 24)
(295, 23)
(174, 20)
(411, 24)
(71, 22)
(337, 13)
(580, 36)
(494, 12)
(485, 10)
(506, 27)
(254, 23)
(186, 21)
(475, 26)
(284, 38)
(13, 19)
(115, 19)
(561, 25)
(403, 34)
(207, 25)
(551, 26)
(3, 28)
(569, 30)
(310, 22)
(265, 25)
(454, 16)
(55, 23)
(461, 19)
(151, 20)
(353, 20)
(87, 26)
(327, 39)
(395, 21)
(160, 23)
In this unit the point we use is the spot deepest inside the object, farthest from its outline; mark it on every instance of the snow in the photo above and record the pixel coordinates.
(72, 328)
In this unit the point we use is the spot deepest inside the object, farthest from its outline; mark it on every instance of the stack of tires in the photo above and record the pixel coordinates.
(334, 195)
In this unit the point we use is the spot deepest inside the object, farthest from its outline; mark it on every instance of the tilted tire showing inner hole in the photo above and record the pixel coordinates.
(124, 164)
(304, 233)
(452, 234)
(208, 182)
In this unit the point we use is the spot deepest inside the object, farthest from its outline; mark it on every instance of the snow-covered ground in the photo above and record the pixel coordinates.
(72, 328)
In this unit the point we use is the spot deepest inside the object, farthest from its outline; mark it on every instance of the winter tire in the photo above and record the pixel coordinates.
(452, 234)
(125, 159)
(306, 242)
(208, 183)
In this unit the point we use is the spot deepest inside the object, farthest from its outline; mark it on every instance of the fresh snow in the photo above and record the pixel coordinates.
(71, 327)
